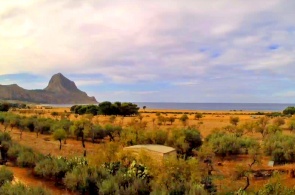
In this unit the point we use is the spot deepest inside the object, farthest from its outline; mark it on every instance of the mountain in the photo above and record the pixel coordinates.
(60, 84)
(60, 90)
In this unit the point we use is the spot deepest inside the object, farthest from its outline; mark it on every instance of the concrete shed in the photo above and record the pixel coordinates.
(158, 151)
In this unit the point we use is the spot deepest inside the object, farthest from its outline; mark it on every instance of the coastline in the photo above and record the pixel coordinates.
(199, 107)
(177, 111)
(204, 111)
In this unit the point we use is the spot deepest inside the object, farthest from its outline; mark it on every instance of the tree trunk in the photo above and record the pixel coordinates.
(111, 137)
(253, 162)
(93, 137)
(247, 183)
(83, 141)
(60, 144)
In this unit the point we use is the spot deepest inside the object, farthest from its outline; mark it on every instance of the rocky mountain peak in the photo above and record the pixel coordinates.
(60, 90)
(60, 84)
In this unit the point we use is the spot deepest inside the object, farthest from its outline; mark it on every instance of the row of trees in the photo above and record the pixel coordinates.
(227, 141)
(107, 108)
(4, 107)
(185, 139)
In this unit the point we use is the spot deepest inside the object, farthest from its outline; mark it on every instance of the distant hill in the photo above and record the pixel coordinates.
(60, 90)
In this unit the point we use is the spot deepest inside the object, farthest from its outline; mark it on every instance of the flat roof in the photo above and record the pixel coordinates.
(153, 147)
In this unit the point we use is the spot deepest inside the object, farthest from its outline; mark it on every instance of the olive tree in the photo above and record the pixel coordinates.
(59, 134)
(184, 119)
(234, 120)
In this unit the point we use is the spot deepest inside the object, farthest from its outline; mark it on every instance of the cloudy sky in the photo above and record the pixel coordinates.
(151, 50)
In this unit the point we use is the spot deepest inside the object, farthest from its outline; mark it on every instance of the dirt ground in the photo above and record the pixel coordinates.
(25, 176)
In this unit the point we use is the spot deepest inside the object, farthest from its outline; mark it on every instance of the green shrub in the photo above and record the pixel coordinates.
(185, 140)
(14, 151)
(21, 189)
(51, 167)
(85, 179)
(26, 159)
(160, 137)
(44, 168)
(76, 180)
(137, 186)
(5, 175)
(5, 137)
(275, 186)
(229, 144)
(280, 147)
(109, 186)
(289, 110)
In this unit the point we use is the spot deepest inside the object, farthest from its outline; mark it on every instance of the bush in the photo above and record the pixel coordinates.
(4, 107)
(5, 175)
(109, 186)
(275, 186)
(77, 179)
(5, 137)
(160, 137)
(289, 110)
(129, 179)
(280, 147)
(234, 120)
(184, 119)
(224, 144)
(185, 140)
(85, 179)
(14, 151)
(198, 115)
(51, 167)
(193, 138)
(19, 189)
(27, 158)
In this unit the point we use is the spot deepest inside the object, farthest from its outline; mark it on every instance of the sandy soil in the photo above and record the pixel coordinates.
(24, 175)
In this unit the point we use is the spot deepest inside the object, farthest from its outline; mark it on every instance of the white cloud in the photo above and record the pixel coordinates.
(286, 94)
(148, 41)
(88, 82)
(186, 83)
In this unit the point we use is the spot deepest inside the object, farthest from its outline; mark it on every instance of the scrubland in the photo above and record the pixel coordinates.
(218, 151)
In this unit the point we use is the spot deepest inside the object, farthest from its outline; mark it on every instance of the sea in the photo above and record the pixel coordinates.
(206, 106)
(216, 106)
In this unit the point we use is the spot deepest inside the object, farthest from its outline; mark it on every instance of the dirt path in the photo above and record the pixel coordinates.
(24, 176)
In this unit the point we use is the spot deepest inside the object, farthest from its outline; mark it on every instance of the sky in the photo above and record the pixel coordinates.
(153, 51)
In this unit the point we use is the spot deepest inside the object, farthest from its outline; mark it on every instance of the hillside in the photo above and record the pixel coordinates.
(60, 90)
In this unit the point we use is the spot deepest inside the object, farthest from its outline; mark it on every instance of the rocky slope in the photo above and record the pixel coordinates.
(60, 90)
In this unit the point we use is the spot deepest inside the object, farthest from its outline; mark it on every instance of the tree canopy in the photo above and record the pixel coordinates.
(290, 110)
(107, 108)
